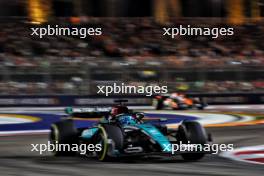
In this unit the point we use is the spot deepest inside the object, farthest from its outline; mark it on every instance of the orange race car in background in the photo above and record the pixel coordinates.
(177, 101)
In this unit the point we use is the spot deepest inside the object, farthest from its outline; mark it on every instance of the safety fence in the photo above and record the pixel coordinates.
(71, 100)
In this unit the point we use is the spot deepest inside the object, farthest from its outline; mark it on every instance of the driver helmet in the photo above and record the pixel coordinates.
(174, 95)
(119, 110)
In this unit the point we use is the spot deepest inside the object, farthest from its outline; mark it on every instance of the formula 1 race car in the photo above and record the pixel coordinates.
(123, 133)
(177, 101)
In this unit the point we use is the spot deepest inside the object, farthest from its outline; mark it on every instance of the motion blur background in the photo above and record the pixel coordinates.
(61, 71)
(132, 48)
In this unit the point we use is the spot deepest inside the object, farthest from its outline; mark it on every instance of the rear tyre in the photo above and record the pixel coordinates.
(158, 103)
(202, 103)
(194, 133)
(106, 133)
(63, 132)
(201, 107)
(181, 107)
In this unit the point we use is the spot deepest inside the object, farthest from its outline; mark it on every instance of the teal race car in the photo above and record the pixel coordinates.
(123, 133)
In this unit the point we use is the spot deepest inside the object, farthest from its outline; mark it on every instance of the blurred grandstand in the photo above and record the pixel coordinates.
(131, 50)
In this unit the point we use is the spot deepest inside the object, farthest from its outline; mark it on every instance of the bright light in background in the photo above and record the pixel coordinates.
(39, 11)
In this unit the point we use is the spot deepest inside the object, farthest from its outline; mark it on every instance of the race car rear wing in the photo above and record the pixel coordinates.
(88, 112)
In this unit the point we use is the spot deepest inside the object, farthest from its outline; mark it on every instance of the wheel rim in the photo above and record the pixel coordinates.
(54, 136)
(155, 103)
(102, 139)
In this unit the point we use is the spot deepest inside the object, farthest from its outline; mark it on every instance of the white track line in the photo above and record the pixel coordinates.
(208, 118)
(27, 132)
(238, 107)
(7, 120)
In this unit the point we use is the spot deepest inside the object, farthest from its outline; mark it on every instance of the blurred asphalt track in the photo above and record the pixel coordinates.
(16, 159)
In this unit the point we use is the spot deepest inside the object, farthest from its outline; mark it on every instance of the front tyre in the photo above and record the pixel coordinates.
(102, 139)
(63, 133)
(105, 134)
(194, 133)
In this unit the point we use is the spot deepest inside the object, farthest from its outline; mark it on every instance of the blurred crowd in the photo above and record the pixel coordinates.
(221, 87)
(130, 42)
(133, 40)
